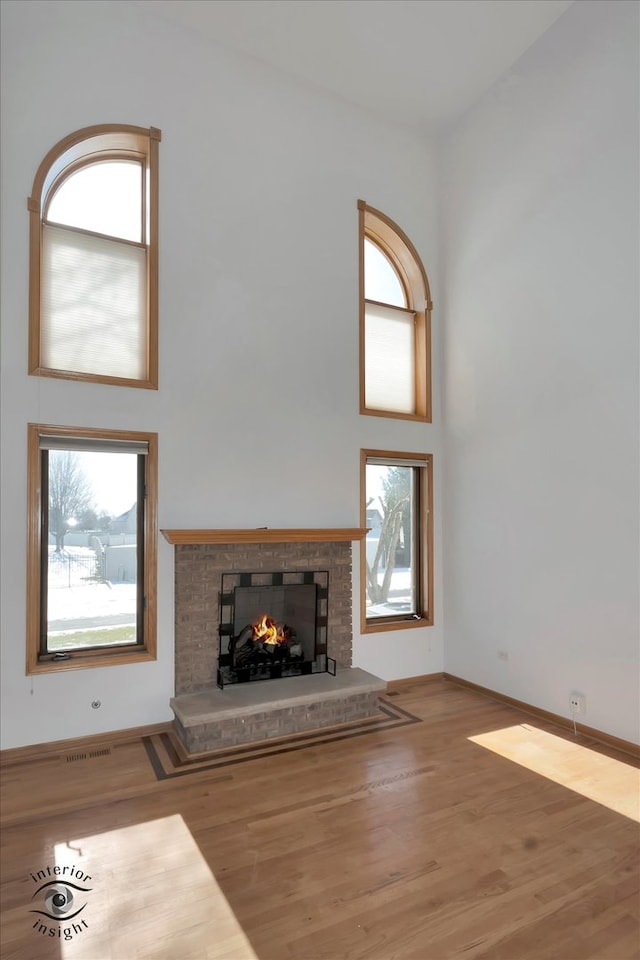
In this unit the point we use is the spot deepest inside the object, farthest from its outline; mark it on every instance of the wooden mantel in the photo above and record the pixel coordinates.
(265, 535)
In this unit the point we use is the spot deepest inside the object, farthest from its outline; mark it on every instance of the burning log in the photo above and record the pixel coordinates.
(265, 642)
(269, 633)
(242, 647)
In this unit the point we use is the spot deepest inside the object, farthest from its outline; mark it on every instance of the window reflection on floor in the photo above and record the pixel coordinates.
(608, 781)
(149, 893)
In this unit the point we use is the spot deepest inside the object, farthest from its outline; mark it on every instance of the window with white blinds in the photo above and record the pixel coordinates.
(94, 258)
(93, 305)
(389, 358)
(395, 309)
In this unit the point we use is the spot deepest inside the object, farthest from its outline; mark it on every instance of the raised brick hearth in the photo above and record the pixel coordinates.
(250, 712)
(211, 719)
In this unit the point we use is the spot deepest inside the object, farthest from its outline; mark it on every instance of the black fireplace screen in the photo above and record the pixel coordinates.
(273, 625)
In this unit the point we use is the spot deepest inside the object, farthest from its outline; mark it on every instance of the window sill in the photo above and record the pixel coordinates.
(83, 661)
(382, 626)
(369, 412)
(150, 383)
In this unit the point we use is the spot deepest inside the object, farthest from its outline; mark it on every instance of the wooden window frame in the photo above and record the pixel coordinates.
(424, 573)
(97, 656)
(394, 243)
(86, 146)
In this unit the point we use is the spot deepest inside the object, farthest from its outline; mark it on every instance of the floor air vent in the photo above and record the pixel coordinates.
(104, 752)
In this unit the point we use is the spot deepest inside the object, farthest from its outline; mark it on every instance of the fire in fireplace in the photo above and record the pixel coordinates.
(265, 641)
(273, 625)
(269, 633)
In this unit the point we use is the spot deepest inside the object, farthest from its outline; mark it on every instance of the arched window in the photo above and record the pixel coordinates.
(93, 264)
(395, 314)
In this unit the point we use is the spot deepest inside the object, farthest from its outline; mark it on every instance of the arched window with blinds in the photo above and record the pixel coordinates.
(93, 311)
(395, 313)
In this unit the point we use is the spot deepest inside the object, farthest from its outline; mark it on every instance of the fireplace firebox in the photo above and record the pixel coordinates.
(273, 625)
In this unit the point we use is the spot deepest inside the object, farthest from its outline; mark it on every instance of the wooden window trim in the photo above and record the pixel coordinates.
(423, 461)
(89, 145)
(395, 244)
(96, 657)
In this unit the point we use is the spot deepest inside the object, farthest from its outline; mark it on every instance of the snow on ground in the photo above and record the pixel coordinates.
(92, 600)
(75, 595)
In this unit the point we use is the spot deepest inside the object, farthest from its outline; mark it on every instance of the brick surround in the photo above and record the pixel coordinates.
(198, 573)
(208, 719)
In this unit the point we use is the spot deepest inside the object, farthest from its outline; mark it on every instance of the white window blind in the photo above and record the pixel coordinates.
(389, 359)
(93, 307)
(93, 445)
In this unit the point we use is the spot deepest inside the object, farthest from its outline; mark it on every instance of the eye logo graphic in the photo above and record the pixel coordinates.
(60, 900)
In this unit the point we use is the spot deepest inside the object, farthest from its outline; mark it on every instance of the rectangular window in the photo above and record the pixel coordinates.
(397, 553)
(92, 547)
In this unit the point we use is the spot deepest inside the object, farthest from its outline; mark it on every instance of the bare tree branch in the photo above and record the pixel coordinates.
(70, 492)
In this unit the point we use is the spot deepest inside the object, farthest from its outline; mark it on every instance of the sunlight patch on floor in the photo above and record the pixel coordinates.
(607, 781)
(151, 895)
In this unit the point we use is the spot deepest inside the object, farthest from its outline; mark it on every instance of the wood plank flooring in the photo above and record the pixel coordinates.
(470, 831)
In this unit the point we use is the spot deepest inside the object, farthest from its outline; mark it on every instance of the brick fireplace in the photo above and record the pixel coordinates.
(207, 718)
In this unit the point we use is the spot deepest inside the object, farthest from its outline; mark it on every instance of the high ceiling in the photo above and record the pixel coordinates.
(421, 62)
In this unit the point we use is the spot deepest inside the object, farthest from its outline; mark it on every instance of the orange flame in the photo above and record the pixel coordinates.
(267, 630)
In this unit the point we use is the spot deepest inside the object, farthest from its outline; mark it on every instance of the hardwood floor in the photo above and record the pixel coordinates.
(456, 827)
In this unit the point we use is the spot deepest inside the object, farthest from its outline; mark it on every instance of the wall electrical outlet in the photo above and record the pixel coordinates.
(577, 703)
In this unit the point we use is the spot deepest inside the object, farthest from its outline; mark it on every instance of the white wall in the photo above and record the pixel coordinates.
(258, 327)
(540, 193)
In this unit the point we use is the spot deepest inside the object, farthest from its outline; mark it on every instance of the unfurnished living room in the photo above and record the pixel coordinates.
(320, 501)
